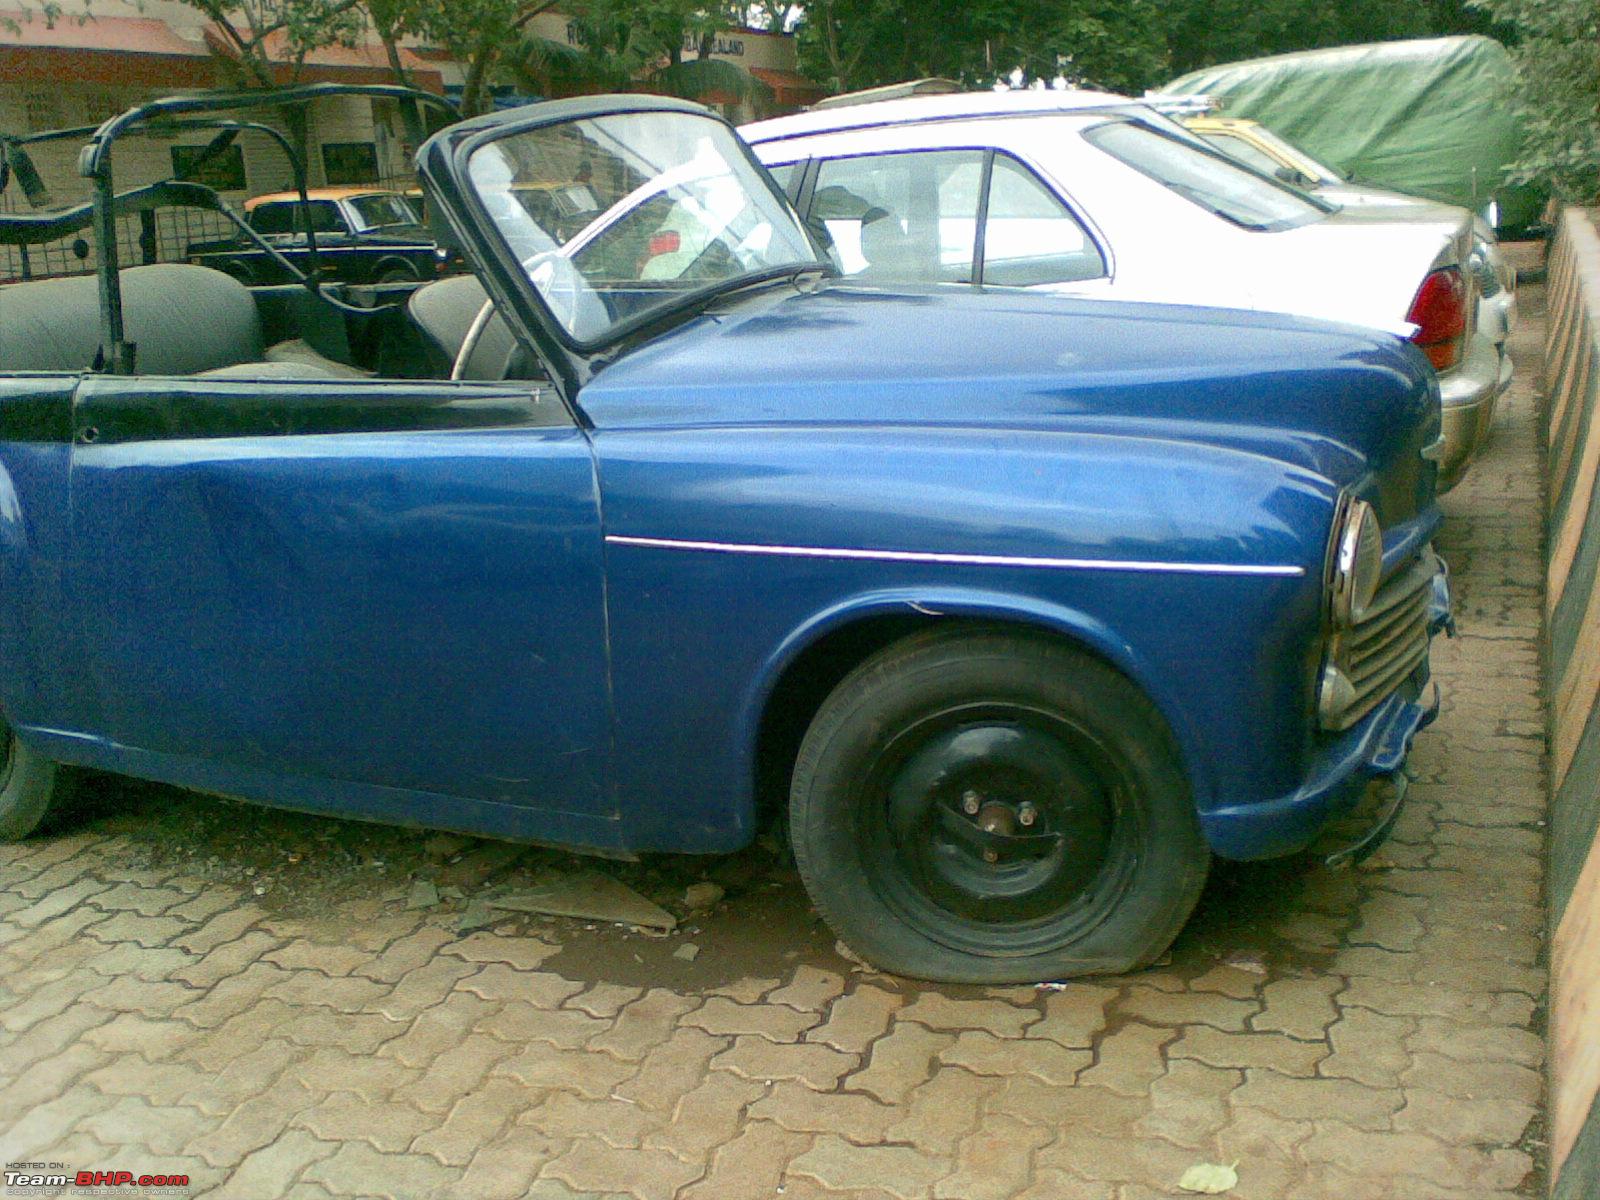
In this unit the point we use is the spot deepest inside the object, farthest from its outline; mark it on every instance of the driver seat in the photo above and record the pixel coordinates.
(443, 311)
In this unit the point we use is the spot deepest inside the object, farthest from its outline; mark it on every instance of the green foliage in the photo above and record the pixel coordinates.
(851, 44)
(1558, 96)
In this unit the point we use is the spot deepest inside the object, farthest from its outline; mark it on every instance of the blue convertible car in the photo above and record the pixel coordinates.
(1019, 609)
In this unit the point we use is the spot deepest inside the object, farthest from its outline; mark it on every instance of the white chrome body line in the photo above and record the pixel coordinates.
(1286, 570)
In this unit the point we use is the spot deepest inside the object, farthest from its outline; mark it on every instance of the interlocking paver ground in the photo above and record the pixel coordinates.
(190, 985)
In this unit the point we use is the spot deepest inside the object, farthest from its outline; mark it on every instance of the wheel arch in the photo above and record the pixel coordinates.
(395, 262)
(817, 655)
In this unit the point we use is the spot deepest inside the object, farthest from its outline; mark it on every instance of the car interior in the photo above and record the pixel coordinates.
(273, 332)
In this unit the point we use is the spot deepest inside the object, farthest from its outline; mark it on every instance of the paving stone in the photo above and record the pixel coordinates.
(1074, 1017)
(591, 1075)
(672, 1068)
(857, 1019)
(303, 954)
(994, 1162)
(518, 1022)
(604, 1000)
(406, 953)
(593, 1166)
(985, 1054)
(1274, 1051)
(344, 1118)
(811, 989)
(942, 1111)
(497, 981)
(1301, 1008)
(752, 1164)
(899, 1170)
(475, 1120)
(899, 1061)
(265, 1171)
(816, 1066)
(1380, 1154)
(1369, 1048)
(775, 1022)
(801, 1109)
(1130, 1060)
(507, 1170)
(646, 1022)
(1188, 1105)
(938, 1011)
(619, 1123)
(1470, 1080)
(710, 1114)
(1313, 1099)
(356, 1169)
(1084, 1108)
(435, 1029)
(367, 1077)
(346, 994)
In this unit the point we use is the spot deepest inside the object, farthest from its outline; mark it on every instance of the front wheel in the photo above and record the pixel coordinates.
(993, 807)
(28, 787)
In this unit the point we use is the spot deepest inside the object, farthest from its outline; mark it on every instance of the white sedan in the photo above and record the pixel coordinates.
(1087, 194)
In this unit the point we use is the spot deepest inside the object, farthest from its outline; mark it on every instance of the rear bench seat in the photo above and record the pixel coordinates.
(184, 320)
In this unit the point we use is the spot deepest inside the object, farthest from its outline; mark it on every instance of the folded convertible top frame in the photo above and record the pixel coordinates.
(94, 163)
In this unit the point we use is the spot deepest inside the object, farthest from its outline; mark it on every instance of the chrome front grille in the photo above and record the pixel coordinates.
(1372, 657)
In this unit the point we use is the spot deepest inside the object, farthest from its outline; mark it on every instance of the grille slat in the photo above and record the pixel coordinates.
(1390, 641)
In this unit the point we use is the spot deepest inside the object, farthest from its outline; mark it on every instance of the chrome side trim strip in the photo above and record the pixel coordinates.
(966, 560)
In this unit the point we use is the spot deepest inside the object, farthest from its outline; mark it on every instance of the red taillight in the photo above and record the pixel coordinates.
(1440, 314)
(665, 243)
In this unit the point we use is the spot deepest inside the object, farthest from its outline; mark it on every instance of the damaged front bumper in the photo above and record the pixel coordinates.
(1376, 747)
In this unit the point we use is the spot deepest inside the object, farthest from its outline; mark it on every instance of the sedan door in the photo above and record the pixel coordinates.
(391, 585)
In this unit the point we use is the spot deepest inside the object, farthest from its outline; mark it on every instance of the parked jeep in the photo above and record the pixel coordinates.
(363, 235)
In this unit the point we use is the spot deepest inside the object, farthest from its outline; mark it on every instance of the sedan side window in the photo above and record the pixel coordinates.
(900, 218)
(1030, 238)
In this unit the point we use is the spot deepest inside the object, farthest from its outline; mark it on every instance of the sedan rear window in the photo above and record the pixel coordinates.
(1205, 178)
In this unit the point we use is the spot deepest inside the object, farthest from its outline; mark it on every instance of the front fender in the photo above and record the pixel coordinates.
(981, 604)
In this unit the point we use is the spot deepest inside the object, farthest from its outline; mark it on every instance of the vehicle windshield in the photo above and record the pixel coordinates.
(379, 210)
(615, 218)
(1324, 173)
(1206, 177)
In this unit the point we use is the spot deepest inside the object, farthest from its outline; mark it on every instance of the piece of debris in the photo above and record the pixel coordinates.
(445, 845)
(702, 895)
(1209, 1179)
(1376, 862)
(1242, 961)
(422, 895)
(453, 893)
(688, 952)
(1051, 987)
(478, 915)
(590, 894)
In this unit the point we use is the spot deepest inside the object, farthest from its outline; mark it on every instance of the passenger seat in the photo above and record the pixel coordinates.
(182, 320)
(444, 312)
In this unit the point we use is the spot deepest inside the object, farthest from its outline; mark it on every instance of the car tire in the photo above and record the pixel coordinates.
(28, 787)
(992, 807)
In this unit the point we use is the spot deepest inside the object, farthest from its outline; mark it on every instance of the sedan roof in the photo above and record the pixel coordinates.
(931, 108)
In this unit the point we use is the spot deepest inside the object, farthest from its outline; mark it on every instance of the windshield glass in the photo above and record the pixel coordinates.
(1208, 179)
(378, 210)
(616, 217)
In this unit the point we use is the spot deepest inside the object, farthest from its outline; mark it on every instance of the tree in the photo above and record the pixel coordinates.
(1558, 92)
(850, 44)
(261, 37)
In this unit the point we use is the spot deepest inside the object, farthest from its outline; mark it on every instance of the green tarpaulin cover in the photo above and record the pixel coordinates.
(1430, 116)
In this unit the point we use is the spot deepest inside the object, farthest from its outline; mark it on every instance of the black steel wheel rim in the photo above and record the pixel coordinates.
(1000, 829)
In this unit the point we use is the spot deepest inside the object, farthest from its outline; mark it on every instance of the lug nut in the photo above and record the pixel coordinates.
(969, 803)
(990, 856)
(1027, 815)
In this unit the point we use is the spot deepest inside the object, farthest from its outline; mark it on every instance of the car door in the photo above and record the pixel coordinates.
(950, 216)
(285, 585)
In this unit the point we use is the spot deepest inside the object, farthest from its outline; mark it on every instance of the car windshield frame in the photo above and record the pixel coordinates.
(1317, 207)
(741, 166)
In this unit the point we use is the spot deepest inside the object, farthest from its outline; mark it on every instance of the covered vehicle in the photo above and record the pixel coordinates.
(1019, 626)
(1088, 194)
(1427, 117)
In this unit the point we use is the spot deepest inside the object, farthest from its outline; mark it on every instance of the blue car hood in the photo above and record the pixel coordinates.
(1341, 400)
